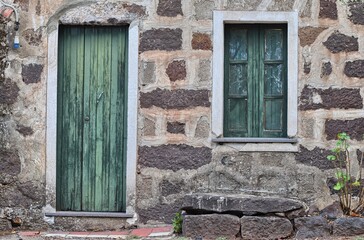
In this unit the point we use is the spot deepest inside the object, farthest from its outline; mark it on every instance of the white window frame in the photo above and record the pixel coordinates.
(220, 18)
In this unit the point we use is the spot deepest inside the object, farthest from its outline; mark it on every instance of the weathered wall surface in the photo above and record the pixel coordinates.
(176, 155)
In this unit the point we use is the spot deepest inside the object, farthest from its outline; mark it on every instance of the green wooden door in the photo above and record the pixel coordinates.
(91, 118)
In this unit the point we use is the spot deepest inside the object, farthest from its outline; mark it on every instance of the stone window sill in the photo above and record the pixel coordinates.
(260, 144)
(89, 214)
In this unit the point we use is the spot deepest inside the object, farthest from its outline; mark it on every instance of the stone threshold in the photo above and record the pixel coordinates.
(89, 214)
(254, 140)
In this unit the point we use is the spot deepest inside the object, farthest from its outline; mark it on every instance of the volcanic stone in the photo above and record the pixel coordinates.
(326, 69)
(31, 73)
(176, 70)
(9, 92)
(169, 8)
(315, 157)
(240, 203)
(354, 128)
(349, 226)
(176, 127)
(25, 131)
(33, 38)
(169, 188)
(354, 69)
(344, 98)
(175, 99)
(312, 227)
(174, 157)
(211, 226)
(332, 211)
(135, 9)
(161, 39)
(201, 41)
(338, 42)
(5, 225)
(328, 9)
(265, 227)
(356, 12)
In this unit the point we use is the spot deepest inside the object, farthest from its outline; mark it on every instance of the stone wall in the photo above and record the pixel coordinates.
(176, 155)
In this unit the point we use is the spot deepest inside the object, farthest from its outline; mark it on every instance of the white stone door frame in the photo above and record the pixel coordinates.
(132, 111)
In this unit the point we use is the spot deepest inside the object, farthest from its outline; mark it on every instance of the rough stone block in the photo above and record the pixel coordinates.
(328, 9)
(354, 69)
(161, 39)
(265, 227)
(309, 34)
(25, 131)
(326, 69)
(307, 10)
(242, 5)
(174, 157)
(204, 9)
(148, 73)
(356, 12)
(10, 162)
(307, 67)
(281, 5)
(176, 70)
(149, 127)
(354, 128)
(169, 187)
(201, 41)
(349, 226)
(176, 99)
(332, 211)
(315, 157)
(338, 42)
(312, 227)
(344, 98)
(169, 8)
(31, 73)
(240, 203)
(176, 127)
(204, 71)
(23, 4)
(211, 226)
(202, 128)
(9, 92)
(135, 9)
(33, 38)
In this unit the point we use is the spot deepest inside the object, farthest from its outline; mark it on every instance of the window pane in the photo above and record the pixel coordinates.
(238, 84)
(237, 120)
(238, 44)
(273, 81)
(273, 45)
(273, 110)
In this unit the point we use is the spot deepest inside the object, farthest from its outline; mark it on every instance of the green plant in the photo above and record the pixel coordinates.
(346, 184)
(177, 222)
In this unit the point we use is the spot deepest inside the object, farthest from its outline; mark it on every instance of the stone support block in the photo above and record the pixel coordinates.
(312, 227)
(349, 226)
(211, 226)
(253, 227)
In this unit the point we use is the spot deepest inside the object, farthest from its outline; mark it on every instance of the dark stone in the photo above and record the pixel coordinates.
(354, 69)
(23, 4)
(135, 9)
(360, 157)
(296, 214)
(5, 225)
(176, 127)
(32, 191)
(174, 157)
(307, 67)
(356, 12)
(344, 98)
(308, 35)
(328, 9)
(32, 73)
(211, 226)
(9, 92)
(176, 70)
(326, 69)
(338, 42)
(169, 188)
(312, 227)
(265, 227)
(33, 38)
(38, 8)
(176, 99)
(9, 162)
(201, 41)
(169, 8)
(315, 157)
(349, 226)
(240, 203)
(333, 211)
(163, 212)
(161, 39)
(25, 131)
(354, 128)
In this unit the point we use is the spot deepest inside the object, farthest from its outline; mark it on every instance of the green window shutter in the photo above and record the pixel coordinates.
(255, 82)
